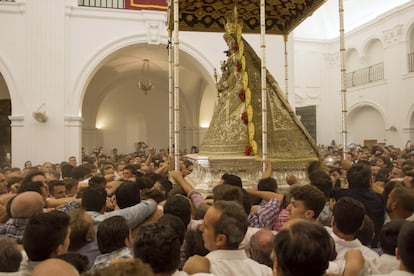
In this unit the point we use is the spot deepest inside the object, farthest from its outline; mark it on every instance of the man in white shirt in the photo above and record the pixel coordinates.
(388, 238)
(348, 216)
(224, 226)
(405, 251)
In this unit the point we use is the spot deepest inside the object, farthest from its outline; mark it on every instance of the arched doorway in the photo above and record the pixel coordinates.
(5, 129)
(117, 113)
(366, 123)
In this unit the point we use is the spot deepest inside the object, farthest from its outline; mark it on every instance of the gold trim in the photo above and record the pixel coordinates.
(132, 4)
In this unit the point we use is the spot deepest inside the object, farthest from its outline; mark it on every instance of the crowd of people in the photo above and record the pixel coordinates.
(133, 214)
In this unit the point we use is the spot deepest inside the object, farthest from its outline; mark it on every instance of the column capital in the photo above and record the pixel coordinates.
(73, 121)
(16, 120)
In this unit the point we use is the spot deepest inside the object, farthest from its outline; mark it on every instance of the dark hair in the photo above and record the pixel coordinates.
(66, 170)
(154, 194)
(127, 195)
(29, 176)
(194, 244)
(10, 256)
(166, 185)
(359, 176)
(406, 246)
(13, 180)
(78, 172)
(69, 183)
(176, 223)
(94, 198)
(313, 166)
(131, 168)
(228, 192)
(187, 163)
(78, 261)
(388, 236)
(387, 162)
(303, 249)
(232, 222)
(112, 233)
(159, 246)
(382, 175)
(367, 233)
(51, 185)
(44, 233)
(179, 206)
(322, 181)
(232, 179)
(389, 186)
(79, 229)
(31, 186)
(144, 182)
(97, 180)
(224, 193)
(313, 199)
(267, 184)
(349, 215)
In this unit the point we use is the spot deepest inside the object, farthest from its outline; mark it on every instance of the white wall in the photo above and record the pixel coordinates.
(50, 51)
(386, 39)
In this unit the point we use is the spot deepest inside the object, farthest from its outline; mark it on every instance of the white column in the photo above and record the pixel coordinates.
(19, 143)
(343, 79)
(176, 86)
(73, 137)
(263, 79)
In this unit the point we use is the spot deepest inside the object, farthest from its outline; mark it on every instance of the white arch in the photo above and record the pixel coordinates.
(15, 98)
(93, 64)
(358, 105)
(409, 28)
(408, 116)
(367, 42)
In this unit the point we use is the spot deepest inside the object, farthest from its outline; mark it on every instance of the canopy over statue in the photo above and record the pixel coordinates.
(282, 16)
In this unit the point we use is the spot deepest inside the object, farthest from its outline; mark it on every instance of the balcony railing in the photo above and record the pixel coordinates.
(112, 4)
(411, 62)
(365, 75)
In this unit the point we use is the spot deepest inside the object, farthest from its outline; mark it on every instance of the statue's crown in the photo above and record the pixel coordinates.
(233, 25)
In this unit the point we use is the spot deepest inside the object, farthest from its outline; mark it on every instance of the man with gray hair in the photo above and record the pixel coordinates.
(224, 227)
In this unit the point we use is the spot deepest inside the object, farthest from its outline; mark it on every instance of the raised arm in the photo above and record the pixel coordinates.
(195, 196)
(178, 177)
(266, 195)
(151, 153)
(268, 169)
(53, 202)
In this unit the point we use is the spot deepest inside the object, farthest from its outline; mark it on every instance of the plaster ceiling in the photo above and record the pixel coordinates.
(324, 23)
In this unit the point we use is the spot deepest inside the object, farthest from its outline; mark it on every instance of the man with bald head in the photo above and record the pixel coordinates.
(23, 207)
(261, 246)
(54, 267)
